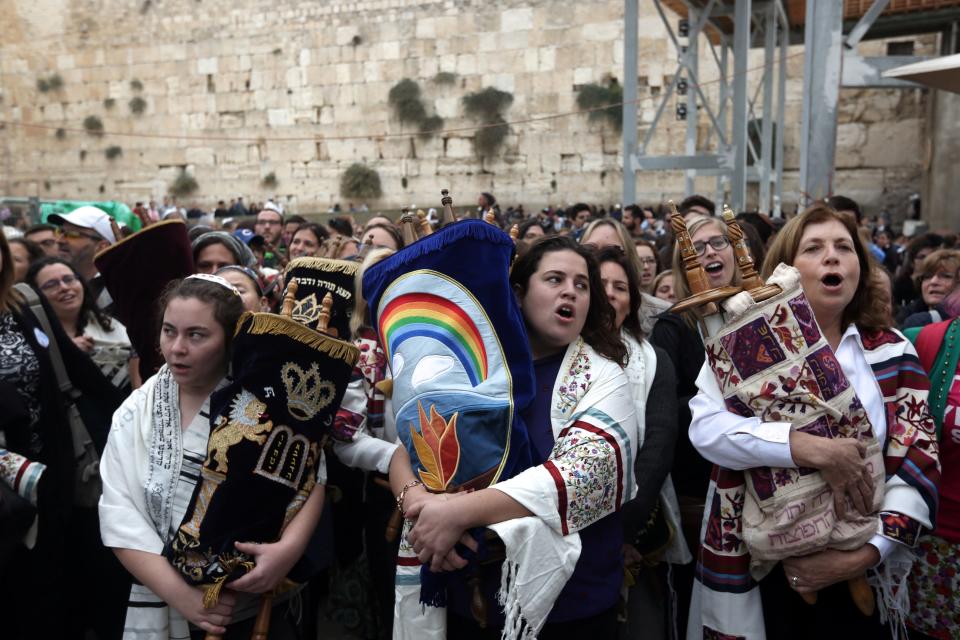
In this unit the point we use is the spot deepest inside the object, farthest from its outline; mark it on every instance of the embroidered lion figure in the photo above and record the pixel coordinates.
(243, 424)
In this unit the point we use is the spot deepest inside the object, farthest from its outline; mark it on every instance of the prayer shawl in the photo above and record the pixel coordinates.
(140, 467)
(23, 477)
(641, 370)
(364, 434)
(588, 475)
(726, 600)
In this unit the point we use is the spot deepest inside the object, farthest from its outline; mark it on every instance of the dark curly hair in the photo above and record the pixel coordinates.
(598, 330)
(88, 307)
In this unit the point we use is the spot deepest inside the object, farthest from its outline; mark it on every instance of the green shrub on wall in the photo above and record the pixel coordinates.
(360, 181)
(404, 99)
(137, 105)
(487, 106)
(431, 126)
(183, 185)
(93, 125)
(269, 181)
(113, 152)
(596, 96)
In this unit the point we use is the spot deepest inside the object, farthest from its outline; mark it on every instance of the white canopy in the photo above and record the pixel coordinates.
(938, 73)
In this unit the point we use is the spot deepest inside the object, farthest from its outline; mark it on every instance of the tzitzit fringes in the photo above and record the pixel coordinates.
(272, 324)
(328, 265)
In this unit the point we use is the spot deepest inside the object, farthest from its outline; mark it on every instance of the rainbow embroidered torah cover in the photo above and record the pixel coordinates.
(771, 361)
(458, 352)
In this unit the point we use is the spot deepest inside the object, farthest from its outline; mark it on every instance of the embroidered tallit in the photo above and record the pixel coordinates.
(588, 475)
(726, 599)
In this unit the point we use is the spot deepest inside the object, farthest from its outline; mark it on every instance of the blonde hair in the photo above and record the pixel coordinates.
(626, 242)
(359, 318)
(681, 288)
(939, 260)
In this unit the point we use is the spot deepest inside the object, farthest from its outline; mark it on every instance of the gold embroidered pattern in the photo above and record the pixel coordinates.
(306, 310)
(307, 394)
(284, 458)
(243, 424)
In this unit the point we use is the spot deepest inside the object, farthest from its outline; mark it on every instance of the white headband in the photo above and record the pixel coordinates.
(214, 279)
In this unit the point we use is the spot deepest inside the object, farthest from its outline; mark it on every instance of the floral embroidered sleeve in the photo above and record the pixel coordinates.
(589, 473)
(911, 455)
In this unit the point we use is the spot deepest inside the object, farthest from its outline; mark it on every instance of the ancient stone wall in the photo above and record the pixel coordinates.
(236, 90)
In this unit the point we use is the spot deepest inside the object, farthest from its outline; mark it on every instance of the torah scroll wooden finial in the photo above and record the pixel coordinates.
(515, 233)
(741, 251)
(323, 320)
(448, 216)
(289, 299)
(407, 228)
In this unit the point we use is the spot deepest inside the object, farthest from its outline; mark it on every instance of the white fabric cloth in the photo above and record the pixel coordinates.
(641, 369)
(735, 442)
(111, 350)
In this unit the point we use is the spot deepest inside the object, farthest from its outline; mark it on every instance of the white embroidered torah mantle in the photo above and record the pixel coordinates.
(771, 361)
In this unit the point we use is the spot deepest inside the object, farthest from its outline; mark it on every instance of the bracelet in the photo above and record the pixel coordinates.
(403, 494)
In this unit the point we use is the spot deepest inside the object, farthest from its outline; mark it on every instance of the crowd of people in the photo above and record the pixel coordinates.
(595, 287)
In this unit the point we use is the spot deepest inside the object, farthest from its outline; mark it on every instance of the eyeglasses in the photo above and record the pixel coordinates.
(595, 248)
(73, 234)
(49, 242)
(943, 275)
(717, 242)
(53, 285)
(648, 260)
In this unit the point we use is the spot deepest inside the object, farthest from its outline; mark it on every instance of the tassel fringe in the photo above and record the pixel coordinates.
(272, 324)
(889, 582)
(514, 626)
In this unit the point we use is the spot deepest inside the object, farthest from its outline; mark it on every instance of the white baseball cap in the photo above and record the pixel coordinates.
(87, 217)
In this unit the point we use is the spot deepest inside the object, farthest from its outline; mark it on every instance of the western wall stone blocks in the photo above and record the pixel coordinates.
(516, 20)
(207, 65)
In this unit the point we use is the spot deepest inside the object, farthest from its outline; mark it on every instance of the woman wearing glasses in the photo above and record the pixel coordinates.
(679, 338)
(53, 575)
(649, 265)
(98, 335)
(935, 279)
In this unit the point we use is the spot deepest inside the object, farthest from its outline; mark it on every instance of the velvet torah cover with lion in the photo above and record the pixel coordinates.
(267, 428)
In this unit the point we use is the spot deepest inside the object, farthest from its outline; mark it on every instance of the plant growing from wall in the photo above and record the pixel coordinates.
(113, 152)
(445, 78)
(93, 125)
(430, 126)
(109, 103)
(269, 181)
(61, 133)
(606, 102)
(361, 182)
(183, 185)
(53, 82)
(487, 106)
(136, 85)
(137, 105)
(404, 99)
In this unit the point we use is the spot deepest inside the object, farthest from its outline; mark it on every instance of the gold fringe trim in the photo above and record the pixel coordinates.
(138, 234)
(328, 265)
(211, 593)
(273, 324)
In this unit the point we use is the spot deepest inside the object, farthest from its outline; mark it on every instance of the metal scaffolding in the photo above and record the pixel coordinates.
(831, 61)
(727, 152)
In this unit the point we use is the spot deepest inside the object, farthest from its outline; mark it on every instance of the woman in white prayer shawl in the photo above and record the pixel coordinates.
(558, 519)
(150, 467)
